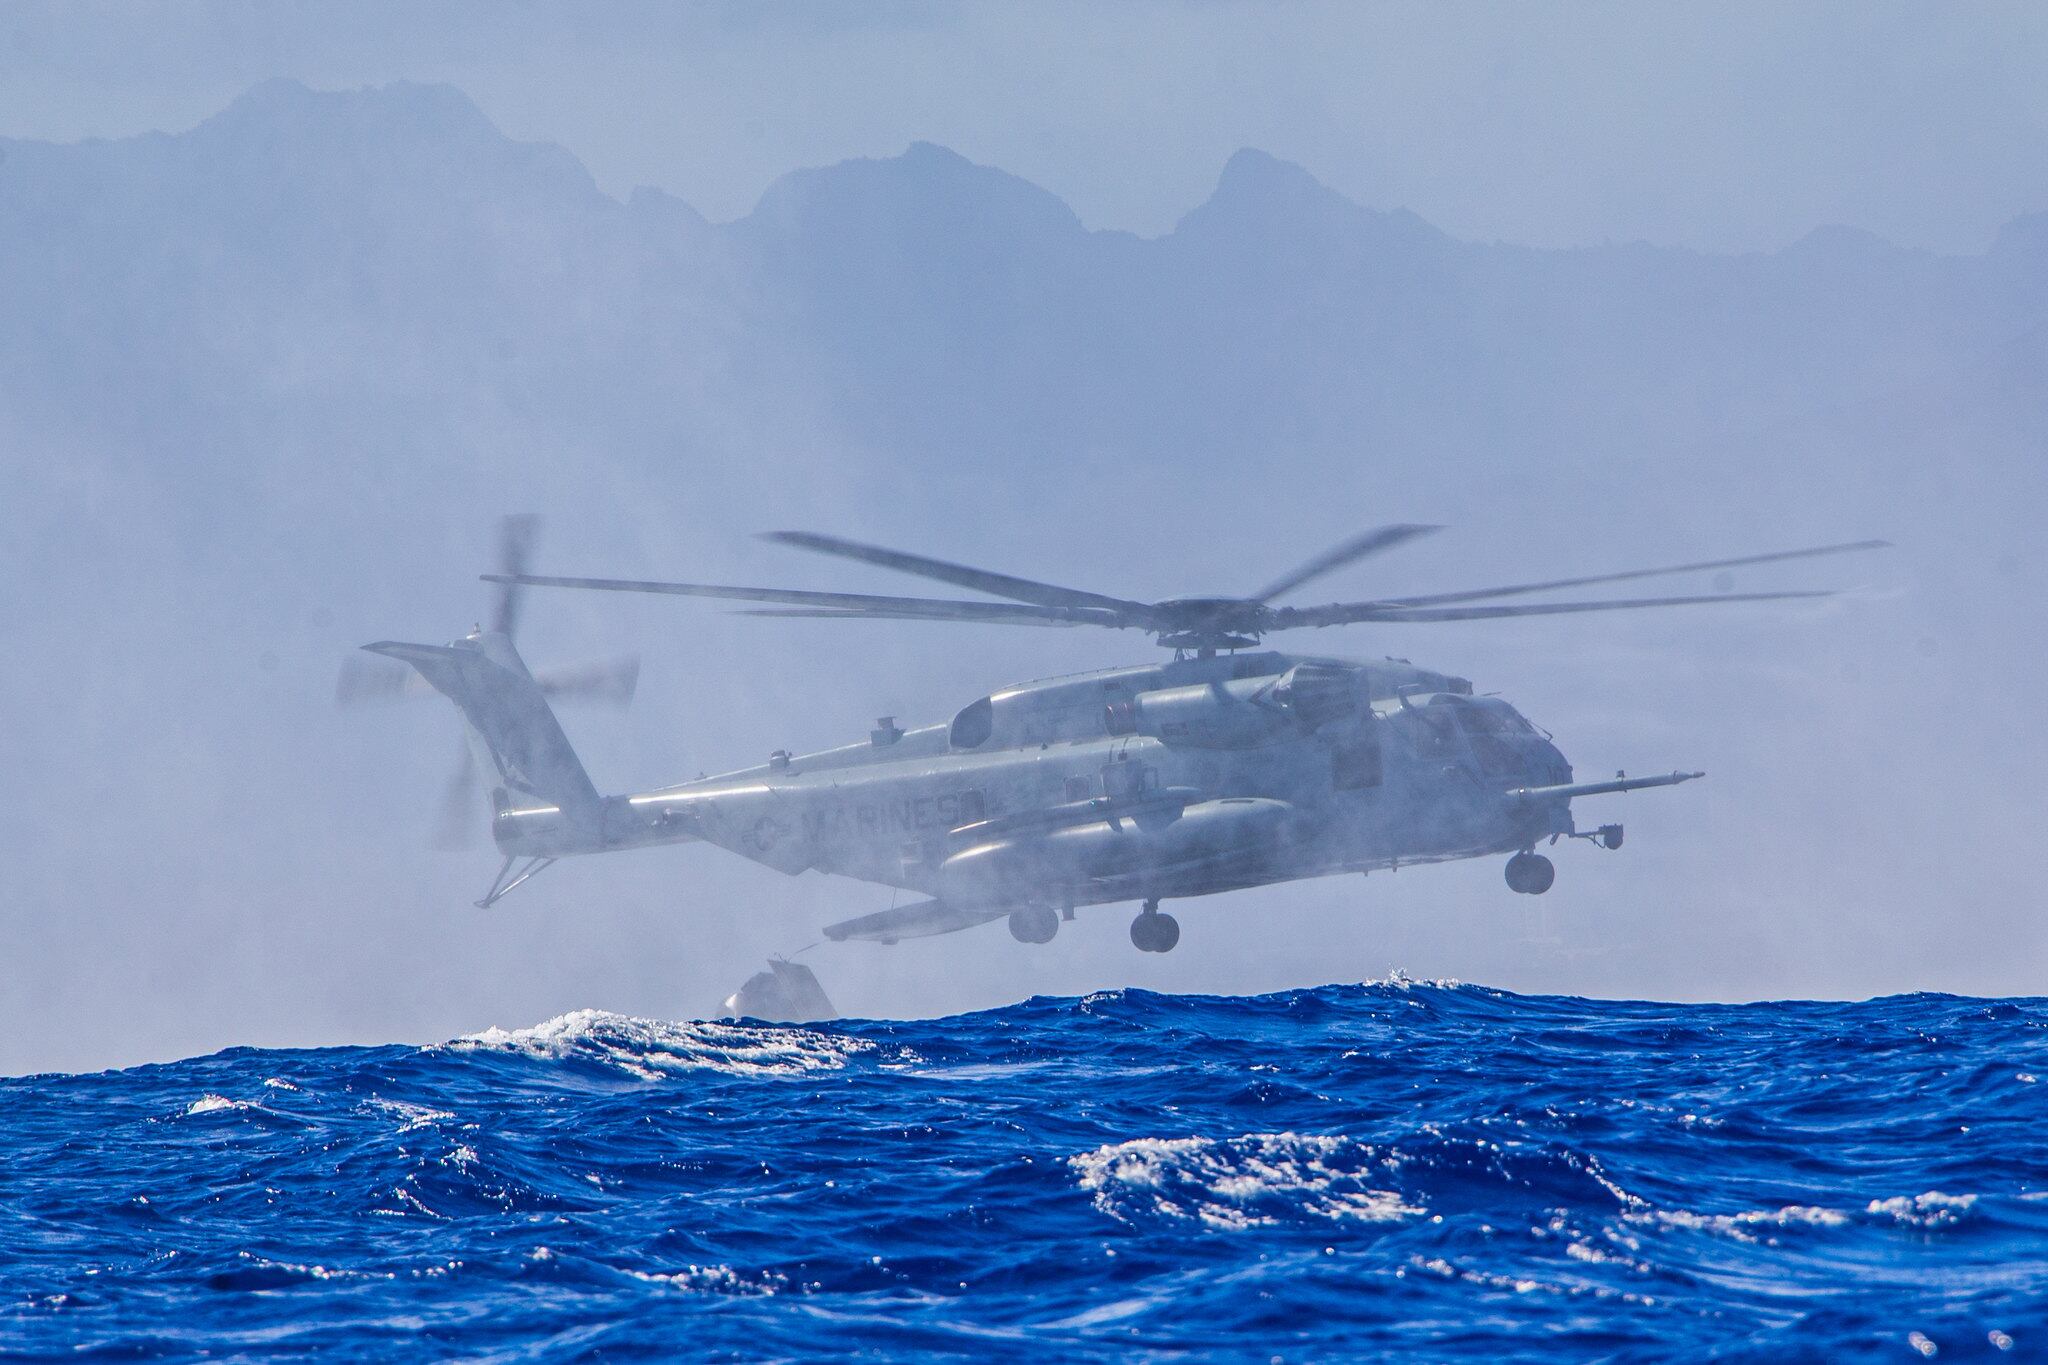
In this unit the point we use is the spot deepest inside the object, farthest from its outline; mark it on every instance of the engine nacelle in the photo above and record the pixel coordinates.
(1315, 694)
(1202, 716)
(1242, 713)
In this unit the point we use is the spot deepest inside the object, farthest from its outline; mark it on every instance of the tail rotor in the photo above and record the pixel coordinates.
(516, 535)
(368, 679)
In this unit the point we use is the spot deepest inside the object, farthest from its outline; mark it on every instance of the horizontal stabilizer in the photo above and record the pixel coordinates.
(922, 920)
(521, 742)
(1615, 784)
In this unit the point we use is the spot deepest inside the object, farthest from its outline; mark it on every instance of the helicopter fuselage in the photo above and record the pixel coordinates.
(1229, 766)
(1176, 779)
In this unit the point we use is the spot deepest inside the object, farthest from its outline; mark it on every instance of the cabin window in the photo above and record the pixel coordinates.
(1121, 717)
(1079, 788)
(1355, 765)
(975, 723)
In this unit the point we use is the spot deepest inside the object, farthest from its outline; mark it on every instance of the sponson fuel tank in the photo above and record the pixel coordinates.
(1028, 866)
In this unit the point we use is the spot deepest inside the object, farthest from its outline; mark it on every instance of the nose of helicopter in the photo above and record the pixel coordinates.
(1545, 763)
(1506, 745)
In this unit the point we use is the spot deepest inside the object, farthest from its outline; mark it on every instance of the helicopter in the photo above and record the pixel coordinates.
(1223, 767)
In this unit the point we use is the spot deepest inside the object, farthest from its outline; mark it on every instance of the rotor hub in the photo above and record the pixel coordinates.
(1211, 622)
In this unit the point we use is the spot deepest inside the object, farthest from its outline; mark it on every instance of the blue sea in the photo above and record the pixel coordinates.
(1402, 1169)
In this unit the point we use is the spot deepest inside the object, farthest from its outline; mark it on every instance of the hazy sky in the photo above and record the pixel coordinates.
(266, 389)
(1722, 127)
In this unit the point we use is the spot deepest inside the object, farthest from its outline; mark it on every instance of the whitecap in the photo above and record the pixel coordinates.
(714, 1279)
(1232, 1183)
(994, 1071)
(214, 1104)
(410, 1116)
(1926, 1212)
(1398, 980)
(1751, 1225)
(651, 1048)
(1437, 1265)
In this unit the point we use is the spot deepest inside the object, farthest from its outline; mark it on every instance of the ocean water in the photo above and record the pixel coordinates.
(1424, 1171)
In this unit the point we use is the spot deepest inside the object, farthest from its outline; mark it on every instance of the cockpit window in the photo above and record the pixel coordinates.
(1429, 730)
(1491, 720)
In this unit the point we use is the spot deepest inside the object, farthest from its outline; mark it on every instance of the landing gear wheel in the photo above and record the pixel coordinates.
(1530, 873)
(1152, 932)
(1034, 924)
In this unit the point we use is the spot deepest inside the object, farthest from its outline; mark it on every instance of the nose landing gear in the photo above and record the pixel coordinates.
(1530, 873)
(1152, 932)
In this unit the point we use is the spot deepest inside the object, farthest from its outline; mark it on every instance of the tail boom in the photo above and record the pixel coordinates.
(542, 801)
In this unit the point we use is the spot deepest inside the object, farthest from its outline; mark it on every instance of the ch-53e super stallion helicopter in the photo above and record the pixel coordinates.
(1225, 767)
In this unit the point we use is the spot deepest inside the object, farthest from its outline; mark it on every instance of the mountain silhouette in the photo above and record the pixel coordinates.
(265, 383)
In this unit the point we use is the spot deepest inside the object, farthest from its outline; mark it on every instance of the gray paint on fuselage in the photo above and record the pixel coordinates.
(883, 811)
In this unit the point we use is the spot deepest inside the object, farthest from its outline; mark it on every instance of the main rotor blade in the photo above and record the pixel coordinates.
(1516, 589)
(901, 614)
(1347, 613)
(960, 575)
(1350, 552)
(931, 607)
(515, 550)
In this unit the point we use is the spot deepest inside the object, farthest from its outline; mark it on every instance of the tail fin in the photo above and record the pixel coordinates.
(519, 743)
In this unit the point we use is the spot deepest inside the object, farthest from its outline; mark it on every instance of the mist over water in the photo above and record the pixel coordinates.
(266, 385)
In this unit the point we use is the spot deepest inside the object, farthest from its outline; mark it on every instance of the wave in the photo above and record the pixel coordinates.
(1258, 1179)
(1379, 1169)
(651, 1048)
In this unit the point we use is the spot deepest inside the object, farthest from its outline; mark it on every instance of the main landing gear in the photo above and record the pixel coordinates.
(1153, 932)
(1530, 873)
